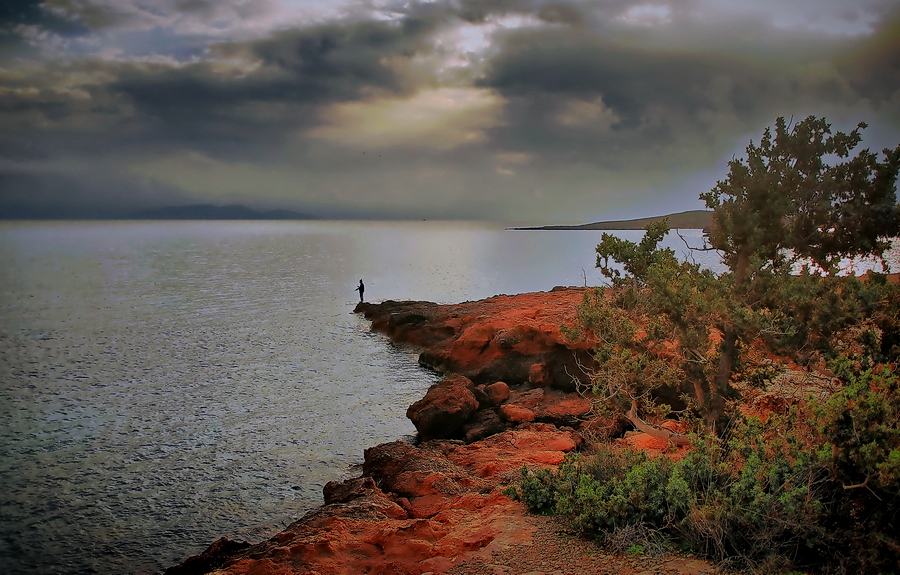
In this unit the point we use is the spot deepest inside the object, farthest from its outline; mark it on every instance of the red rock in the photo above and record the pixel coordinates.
(549, 405)
(527, 398)
(496, 339)
(492, 395)
(415, 472)
(516, 414)
(498, 456)
(444, 409)
(484, 423)
(652, 446)
(468, 516)
(562, 410)
(344, 491)
(539, 375)
(214, 556)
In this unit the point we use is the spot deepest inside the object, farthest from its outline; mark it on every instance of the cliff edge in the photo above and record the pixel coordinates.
(509, 400)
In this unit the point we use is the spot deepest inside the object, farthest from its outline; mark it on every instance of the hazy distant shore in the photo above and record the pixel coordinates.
(693, 219)
(182, 212)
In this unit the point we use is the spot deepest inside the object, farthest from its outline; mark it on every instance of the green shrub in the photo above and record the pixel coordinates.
(814, 488)
(860, 430)
(538, 490)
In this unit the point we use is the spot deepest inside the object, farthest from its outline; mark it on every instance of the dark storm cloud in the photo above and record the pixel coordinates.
(31, 12)
(46, 116)
(873, 67)
(553, 11)
(294, 74)
(235, 113)
(657, 97)
(566, 94)
(477, 11)
(559, 13)
(19, 16)
(14, 12)
(337, 62)
(629, 79)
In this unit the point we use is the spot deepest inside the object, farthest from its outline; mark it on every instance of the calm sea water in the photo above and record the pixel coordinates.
(166, 383)
(163, 384)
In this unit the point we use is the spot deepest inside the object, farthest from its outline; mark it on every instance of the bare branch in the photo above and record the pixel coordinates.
(858, 485)
(705, 248)
(863, 484)
(656, 432)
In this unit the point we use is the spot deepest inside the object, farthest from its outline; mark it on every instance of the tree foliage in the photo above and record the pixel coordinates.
(785, 202)
(798, 198)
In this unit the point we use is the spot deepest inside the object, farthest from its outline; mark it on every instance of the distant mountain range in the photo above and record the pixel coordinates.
(211, 212)
(693, 219)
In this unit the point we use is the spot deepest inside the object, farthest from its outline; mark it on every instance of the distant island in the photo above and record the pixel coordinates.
(212, 212)
(693, 219)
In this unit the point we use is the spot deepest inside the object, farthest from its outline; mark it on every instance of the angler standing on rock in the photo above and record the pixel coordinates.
(360, 288)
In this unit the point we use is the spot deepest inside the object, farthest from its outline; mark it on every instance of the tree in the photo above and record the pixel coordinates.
(785, 204)
(797, 199)
(660, 313)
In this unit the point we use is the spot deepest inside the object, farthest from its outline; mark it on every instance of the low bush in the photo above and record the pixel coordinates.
(816, 488)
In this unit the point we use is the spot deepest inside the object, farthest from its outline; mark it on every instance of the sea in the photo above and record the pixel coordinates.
(167, 383)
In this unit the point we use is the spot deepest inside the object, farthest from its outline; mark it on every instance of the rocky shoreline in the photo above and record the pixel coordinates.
(509, 400)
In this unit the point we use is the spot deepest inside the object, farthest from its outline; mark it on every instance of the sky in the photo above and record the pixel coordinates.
(527, 111)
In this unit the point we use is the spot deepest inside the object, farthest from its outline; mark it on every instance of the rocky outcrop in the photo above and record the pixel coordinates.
(508, 360)
(455, 408)
(507, 402)
(514, 339)
(445, 408)
(483, 424)
(510, 355)
(492, 395)
(214, 557)
(551, 406)
(416, 509)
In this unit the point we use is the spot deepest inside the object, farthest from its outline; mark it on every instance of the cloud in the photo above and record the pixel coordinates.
(872, 67)
(442, 118)
(514, 109)
(577, 94)
(199, 17)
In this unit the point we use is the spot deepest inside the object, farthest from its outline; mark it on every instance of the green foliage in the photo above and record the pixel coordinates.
(653, 327)
(816, 487)
(798, 196)
(860, 430)
(812, 318)
(635, 550)
(735, 500)
(537, 490)
(637, 259)
(627, 369)
(785, 202)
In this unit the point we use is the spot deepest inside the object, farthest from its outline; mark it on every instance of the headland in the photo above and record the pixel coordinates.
(513, 396)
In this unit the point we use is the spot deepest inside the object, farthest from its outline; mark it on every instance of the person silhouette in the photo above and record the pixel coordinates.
(360, 288)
